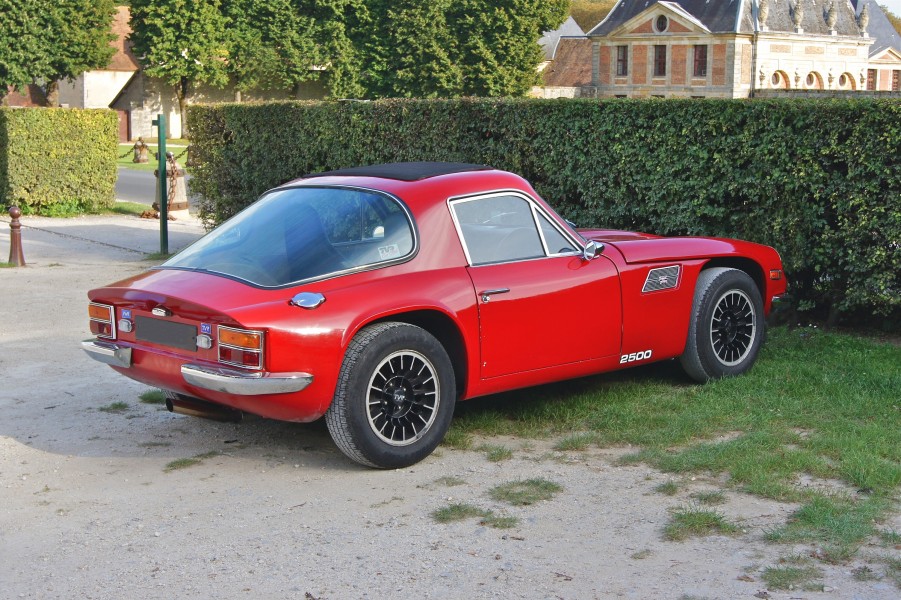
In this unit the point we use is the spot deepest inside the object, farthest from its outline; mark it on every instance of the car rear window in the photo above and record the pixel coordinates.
(303, 233)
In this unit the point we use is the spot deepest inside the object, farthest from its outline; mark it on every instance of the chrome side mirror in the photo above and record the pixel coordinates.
(592, 250)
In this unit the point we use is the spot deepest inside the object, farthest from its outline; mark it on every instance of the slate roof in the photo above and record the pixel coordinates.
(550, 39)
(737, 16)
(880, 28)
(814, 21)
(719, 16)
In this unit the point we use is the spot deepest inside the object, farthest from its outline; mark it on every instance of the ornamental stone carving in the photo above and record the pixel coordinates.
(831, 16)
(798, 14)
(763, 11)
(863, 20)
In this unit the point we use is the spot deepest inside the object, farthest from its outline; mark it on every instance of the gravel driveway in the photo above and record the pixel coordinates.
(88, 508)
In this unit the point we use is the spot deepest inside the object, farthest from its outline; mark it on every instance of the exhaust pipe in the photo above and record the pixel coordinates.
(184, 405)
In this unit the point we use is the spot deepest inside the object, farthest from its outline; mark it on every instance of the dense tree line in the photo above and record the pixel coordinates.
(50, 40)
(359, 48)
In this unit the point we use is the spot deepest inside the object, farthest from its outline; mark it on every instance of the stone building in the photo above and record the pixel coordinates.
(742, 48)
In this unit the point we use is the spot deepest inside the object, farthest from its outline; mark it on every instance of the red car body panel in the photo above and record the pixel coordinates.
(563, 316)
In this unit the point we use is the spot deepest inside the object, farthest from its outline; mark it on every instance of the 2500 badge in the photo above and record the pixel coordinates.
(627, 358)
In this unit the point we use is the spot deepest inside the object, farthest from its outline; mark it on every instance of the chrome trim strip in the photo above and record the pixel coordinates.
(112, 319)
(533, 205)
(241, 383)
(107, 353)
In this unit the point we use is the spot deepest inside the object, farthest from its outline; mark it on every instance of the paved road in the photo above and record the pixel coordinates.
(137, 186)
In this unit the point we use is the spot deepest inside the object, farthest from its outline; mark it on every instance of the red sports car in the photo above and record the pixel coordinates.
(379, 296)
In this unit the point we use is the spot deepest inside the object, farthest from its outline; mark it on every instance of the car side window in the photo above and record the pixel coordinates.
(556, 241)
(498, 229)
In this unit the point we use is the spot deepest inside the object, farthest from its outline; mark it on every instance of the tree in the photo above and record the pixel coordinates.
(589, 13)
(182, 42)
(277, 44)
(894, 19)
(498, 49)
(79, 37)
(22, 55)
(446, 48)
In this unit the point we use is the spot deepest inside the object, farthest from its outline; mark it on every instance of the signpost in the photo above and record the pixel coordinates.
(160, 123)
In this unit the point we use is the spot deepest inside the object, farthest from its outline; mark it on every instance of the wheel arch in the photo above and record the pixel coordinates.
(749, 266)
(445, 331)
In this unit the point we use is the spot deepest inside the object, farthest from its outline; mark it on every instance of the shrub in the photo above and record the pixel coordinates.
(57, 162)
(818, 179)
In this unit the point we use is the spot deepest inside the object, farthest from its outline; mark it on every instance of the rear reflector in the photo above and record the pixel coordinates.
(776, 274)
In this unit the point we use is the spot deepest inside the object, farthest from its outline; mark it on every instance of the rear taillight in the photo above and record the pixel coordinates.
(240, 347)
(103, 322)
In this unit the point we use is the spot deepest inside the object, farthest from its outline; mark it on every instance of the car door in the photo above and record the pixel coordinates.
(540, 303)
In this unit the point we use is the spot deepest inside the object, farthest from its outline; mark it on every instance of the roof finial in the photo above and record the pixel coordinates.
(798, 15)
(864, 19)
(831, 16)
(763, 10)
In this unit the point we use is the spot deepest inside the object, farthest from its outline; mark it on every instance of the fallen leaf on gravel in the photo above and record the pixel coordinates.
(745, 578)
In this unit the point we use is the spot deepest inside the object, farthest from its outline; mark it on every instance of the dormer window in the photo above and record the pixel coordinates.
(662, 24)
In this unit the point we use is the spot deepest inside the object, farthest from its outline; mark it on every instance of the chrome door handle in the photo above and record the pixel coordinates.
(487, 294)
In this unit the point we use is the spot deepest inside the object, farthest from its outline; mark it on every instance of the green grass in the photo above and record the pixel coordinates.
(153, 397)
(125, 155)
(463, 511)
(816, 403)
(576, 442)
(458, 439)
(495, 453)
(670, 488)
(184, 463)
(693, 521)
(6, 265)
(134, 209)
(840, 524)
(791, 577)
(709, 498)
(524, 493)
(893, 570)
(115, 407)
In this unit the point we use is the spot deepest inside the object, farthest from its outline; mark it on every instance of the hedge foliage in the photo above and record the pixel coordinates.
(820, 180)
(56, 161)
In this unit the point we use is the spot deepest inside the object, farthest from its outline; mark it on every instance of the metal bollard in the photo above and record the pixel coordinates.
(16, 257)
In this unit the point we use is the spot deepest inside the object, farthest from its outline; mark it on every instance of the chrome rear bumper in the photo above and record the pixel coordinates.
(108, 353)
(218, 379)
(244, 383)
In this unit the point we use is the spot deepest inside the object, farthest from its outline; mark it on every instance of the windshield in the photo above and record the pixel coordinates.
(303, 233)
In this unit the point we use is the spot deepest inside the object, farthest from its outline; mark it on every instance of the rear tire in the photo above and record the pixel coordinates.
(395, 396)
(727, 326)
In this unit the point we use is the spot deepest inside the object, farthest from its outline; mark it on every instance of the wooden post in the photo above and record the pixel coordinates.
(16, 257)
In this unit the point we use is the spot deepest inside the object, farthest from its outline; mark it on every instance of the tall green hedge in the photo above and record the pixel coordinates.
(818, 179)
(56, 161)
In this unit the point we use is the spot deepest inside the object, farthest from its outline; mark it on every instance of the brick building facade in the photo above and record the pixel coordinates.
(734, 48)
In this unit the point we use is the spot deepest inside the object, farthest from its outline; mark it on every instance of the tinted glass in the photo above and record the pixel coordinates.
(303, 233)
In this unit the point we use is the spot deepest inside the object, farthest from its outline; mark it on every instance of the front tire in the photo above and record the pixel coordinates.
(727, 325)
(395, 396)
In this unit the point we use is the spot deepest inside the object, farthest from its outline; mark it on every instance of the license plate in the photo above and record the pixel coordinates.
(166, 333)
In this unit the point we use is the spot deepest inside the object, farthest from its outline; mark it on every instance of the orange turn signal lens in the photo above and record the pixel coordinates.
(776, 274)
(241, 338)
(100, 312)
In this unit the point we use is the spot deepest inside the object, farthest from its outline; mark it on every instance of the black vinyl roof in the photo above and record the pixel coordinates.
(404, 171)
